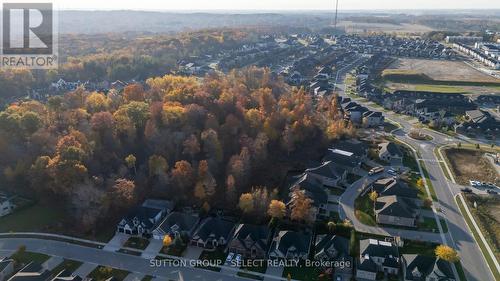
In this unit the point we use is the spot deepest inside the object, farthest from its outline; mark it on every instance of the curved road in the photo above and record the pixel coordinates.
(458, 235)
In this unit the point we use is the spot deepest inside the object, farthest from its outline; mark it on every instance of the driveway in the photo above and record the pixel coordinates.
(192, 252)
(153, 249)
(52, 263)
(85, 269)
(274, 271)
(134, 277)
(116, 242)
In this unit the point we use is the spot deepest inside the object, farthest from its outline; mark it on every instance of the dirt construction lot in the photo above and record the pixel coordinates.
(471, 165)
(443, 70)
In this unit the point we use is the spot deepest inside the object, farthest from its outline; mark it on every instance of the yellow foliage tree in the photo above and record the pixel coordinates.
(167, 240)
(277, 209)
(246, 202)
(446, 253)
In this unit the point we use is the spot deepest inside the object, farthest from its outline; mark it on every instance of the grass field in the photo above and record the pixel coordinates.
(69, 265)
(478, 239)
(102, 273)
(24, 257)
(36, 218)
(364, 212)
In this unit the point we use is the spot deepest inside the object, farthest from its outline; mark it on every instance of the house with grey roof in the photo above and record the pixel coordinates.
(290, 245)
(251, 241)
(377, 256)
(396, 210)
(31, 272)
(424, 268)
(143, 219)
(397, 203)
(334, 248)
(328, 174)
(6, 268)
(212, 232)
(389, 152)
(176, 224)
(6, 204)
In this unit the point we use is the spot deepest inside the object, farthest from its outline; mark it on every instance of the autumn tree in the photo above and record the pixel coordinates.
(131, 161)
(277, 209)
(191, 146)
(133, 92)
(205, 184)
(246, 203)
(373, 197)
(301, 206)
(157, 165)
(446, 253)
(124, 193)
(182, 175)
(231, 193)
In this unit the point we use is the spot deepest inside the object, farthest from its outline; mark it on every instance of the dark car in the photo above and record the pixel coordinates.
(489, 191)
(466, 190)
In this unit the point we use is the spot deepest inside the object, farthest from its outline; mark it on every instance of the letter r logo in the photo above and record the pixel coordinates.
(27, 28)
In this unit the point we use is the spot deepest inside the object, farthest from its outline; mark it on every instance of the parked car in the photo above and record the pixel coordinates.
(392, 172)
(466, 190)
(238, 259)
(229, 257)
(375, 171)
(489, 191)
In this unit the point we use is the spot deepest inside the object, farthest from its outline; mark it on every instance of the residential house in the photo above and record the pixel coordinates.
(390, 152)
(251, 241)
(358, 148)
(290, 245)
(6, 268)
(345, 159)
(334, 248)
(143, 219)
(373, 119)
(31, 272)
(424, 268)
(66, 275)
(328, 174)
(212, 232)
(176, 224)
(479, 122)
(377, 256)
(6, 204)
(397, 203)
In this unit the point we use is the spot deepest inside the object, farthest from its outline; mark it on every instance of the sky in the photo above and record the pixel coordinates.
(262, 5)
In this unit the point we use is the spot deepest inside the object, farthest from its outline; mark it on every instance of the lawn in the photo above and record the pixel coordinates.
(104, 272)
(364, 210)
(136, 243)
(389, 127)
(409, 158)
(417, 247)
(336, 191)
(35, 218)
(69, 265)
(304, 273)
(478, 239)
(217, 257)
(428, 180)
(428, 224)
(24, 257)
(487, 215)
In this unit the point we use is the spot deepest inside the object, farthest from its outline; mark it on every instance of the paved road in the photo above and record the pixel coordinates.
(458, 236)
(346, 210)
(130, 263)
